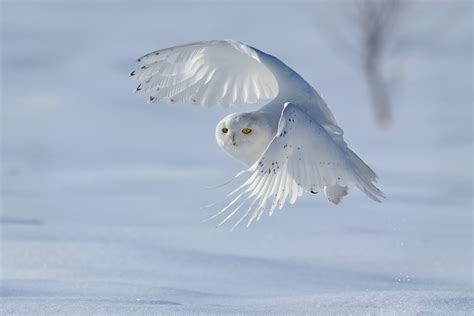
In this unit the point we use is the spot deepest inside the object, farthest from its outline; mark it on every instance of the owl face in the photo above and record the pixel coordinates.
(244, 136)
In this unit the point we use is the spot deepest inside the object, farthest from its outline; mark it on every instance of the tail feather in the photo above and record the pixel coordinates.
(335, 193)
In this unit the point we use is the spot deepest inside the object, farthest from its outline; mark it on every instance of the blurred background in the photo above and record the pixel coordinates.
(101, 192)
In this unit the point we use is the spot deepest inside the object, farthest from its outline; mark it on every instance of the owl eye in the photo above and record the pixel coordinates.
(246, 130)
(225, 130)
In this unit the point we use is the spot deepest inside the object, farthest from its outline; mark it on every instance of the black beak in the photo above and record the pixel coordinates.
(233, 139)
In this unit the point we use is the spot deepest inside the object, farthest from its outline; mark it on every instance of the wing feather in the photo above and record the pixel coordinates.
(234, 74)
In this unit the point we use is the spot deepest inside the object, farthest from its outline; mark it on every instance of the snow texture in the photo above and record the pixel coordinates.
(100, 207)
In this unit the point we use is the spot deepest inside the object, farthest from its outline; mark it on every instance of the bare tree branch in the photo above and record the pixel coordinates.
(365, 38)
(377, 20)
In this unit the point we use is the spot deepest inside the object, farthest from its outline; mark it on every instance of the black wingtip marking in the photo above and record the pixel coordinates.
(139, 88)
(132, 73)
(314, 192)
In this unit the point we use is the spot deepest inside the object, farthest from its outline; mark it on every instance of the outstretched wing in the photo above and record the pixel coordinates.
(302, 157)
(207, 73)
(227, 73)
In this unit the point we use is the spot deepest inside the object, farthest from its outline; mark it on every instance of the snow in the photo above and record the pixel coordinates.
(100, 209)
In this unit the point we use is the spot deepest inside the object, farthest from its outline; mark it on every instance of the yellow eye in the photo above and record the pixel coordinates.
(246, 130)
(225, 130)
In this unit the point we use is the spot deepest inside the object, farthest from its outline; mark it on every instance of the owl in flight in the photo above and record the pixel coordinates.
(291, 145)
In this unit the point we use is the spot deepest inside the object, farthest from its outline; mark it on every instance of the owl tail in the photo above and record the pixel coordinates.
(335, 193)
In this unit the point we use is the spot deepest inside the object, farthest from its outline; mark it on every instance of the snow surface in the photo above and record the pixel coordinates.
(101, 207)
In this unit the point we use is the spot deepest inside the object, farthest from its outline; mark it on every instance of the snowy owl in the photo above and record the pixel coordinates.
(291, 145)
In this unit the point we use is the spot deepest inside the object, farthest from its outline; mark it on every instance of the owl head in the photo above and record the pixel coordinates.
(244, 136)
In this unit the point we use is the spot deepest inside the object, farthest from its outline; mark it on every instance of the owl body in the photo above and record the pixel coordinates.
(291, 145)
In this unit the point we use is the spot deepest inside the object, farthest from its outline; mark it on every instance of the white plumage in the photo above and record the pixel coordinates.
(207, 73)
(291, 145)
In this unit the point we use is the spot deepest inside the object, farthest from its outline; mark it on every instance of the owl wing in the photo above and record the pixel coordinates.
(223, 73)
(301, 157)
(227, 73)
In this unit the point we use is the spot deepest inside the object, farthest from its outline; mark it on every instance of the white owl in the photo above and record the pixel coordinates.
(291, 145)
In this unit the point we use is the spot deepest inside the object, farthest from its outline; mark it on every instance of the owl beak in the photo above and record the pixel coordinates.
(233, 140)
